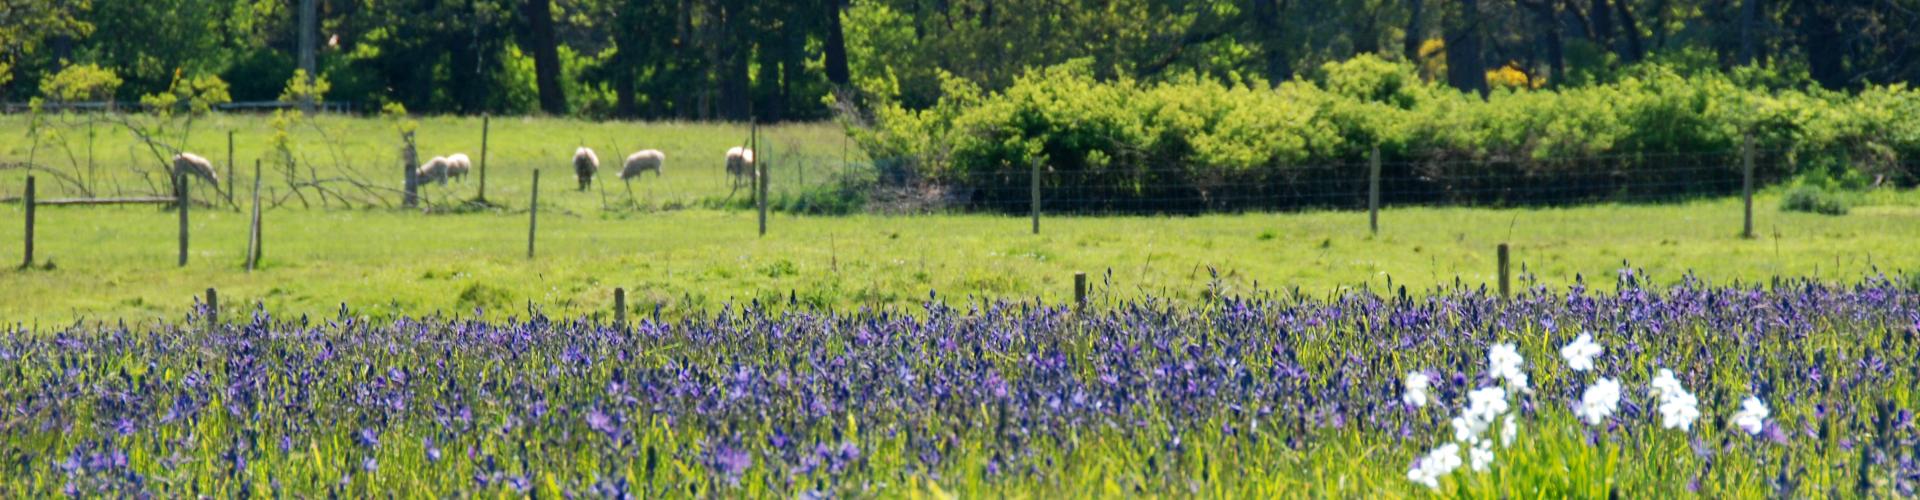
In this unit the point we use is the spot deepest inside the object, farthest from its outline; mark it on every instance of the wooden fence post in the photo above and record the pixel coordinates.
(1746, 185)
(1504, 271)
(180, 184)
(410, 159)
(620, 307)
(759, 173)
(253, 233)
(30, 207)
(1373, 192)
(1080, 290)
(213, 304)
(533, 212)
(229, 167)
(1035, 205)
(486, 127)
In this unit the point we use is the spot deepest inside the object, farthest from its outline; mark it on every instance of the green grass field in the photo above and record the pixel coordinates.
(118, 263)
(106, 263)
(332, 147)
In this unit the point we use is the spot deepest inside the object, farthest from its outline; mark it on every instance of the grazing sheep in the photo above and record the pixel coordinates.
(585, 163)
(193, 164)
(433, 170)
(458, 165)
(639, 163)
(740, 166)
(642, 162)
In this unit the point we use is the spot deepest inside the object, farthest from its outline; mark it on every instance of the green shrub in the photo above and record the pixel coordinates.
(1812, 198)
(1188, 143)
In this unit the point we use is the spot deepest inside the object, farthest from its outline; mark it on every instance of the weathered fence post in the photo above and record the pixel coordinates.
(759, 173)
(620, 307)
(30, 202)
(180, 184)
(486, 126)
(1373, 191)
(410, 159)
(1746, 185)
(229, 167)
(1035, 205)
(253, 233)
(533, 212)
(1504, 271)
(1080, 290)
(213, 304)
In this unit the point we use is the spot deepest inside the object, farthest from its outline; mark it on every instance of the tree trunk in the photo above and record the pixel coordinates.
(836, 46)
(546, 55)
(1825, 54)
(1631, 47)
(1550, 39)
(1266, 20)
(1465, 68)
(309, 39)
(1749, 18)
(1416, 33)
(1600, 17)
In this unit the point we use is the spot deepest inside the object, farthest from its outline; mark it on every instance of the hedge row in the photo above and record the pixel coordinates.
(1195, 143)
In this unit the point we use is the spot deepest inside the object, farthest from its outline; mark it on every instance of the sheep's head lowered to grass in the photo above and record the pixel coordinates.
(643, 161)
(192, 164)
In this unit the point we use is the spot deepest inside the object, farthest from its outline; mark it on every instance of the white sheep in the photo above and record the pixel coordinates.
(458, 165)
(740, 166)
(585, 163)
(193, 164)
(642, 162)
(639, 163)
(433, 170)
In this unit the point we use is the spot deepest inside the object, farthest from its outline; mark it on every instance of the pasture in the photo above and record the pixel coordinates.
(109, 263)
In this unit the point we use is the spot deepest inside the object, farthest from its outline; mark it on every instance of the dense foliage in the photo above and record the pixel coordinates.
(1251, 396)
(1195, 142)
(699, 59)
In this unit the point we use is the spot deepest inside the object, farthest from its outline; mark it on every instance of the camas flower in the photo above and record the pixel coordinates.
(1417, 384)
(1752, 416)
(1581, 352)
(1599, 401)
(1481, 455)
(1509, 430)
(1486, 404)
(1504, 363)
(1678, 408)
(1436, 464)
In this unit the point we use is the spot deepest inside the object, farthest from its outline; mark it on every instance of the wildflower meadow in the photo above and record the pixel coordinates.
(1630, 389)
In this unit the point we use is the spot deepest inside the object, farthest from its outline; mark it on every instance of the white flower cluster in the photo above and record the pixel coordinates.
(1505, 363)
(1485, 406)
(1417, 384)
(1752, 416)
(1678, 408)
(1438, 463)
(1599, 402)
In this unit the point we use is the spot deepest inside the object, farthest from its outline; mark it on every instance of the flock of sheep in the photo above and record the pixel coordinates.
(585, 165)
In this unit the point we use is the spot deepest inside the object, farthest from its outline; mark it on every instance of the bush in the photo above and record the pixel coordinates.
(1190, 143)
(1814, 199)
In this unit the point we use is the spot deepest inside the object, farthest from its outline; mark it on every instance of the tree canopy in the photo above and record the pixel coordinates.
(793, 59)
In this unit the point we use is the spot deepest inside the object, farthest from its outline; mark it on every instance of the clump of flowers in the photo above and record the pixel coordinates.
(1581, 353)
(1599, 401)
(1678, 408)
(1436, 464)
(1417, 384)
(1752, 417)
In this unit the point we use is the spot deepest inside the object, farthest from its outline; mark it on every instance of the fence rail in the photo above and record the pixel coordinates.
(343, 107)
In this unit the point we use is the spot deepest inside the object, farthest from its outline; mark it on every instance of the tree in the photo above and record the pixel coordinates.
(546, 54)
(1466, 70)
